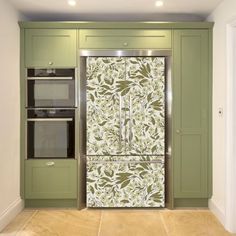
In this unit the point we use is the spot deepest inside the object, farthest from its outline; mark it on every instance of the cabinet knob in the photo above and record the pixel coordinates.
(50, 63)
(50, 163)
(178, 131)
(125, 44)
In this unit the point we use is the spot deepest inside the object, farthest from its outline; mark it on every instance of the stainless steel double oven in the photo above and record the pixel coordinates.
(51, 102)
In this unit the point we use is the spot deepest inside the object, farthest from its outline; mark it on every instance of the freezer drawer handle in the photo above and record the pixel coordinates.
(50, 119)
(50, 163)
(128, 162)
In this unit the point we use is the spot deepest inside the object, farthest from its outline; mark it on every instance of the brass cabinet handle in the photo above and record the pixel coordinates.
(50, 163)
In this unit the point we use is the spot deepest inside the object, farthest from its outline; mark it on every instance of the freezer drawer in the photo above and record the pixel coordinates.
(125, 182)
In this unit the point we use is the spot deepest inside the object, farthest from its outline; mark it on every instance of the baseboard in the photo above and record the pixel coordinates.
(11, 212)
(220, 215)
(47, 203)
(190, 202)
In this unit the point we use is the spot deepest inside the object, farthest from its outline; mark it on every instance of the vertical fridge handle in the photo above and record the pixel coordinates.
(130, 123)
(120, 136)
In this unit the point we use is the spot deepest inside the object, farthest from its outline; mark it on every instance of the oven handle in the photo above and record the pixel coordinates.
(50, 119)
(49, 78)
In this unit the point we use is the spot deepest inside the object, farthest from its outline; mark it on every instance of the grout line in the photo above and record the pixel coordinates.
(27, 221)
(100, 224)
(164, 224)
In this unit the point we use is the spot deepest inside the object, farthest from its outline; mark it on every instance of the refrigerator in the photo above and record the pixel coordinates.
(125, 131)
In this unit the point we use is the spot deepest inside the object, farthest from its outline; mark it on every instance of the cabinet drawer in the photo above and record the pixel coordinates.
(121, 39)
(50, 48)
(51, 179)
(113, 182)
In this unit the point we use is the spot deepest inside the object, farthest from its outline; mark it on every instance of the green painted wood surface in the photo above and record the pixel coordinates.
(22, 114)
(210, 82)
(126, 38)
(50, 48)
(41, 203)
(191, 112)
(191, 202)
(50, 182)
(114, 25)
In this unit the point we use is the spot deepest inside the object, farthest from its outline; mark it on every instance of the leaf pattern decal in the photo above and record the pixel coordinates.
(125, 131)
(119, 184)
(146, 132)
(125, 105)
(104, 87)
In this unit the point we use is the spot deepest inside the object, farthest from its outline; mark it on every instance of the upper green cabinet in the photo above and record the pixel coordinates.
(50, 48)
(191, 113)
(125, 39)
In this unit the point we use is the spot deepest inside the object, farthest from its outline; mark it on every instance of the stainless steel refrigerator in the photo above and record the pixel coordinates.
(125, 131)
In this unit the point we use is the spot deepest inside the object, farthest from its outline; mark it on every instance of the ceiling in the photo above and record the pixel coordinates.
(115, 10)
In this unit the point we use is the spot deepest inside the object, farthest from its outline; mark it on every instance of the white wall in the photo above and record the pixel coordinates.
(222, 16)
(10, 202)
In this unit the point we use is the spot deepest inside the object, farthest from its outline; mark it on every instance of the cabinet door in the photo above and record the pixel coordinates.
(145, 113)
(50, 48)
(105, 106)
(126, 38)
(191, 112)
(51, 179)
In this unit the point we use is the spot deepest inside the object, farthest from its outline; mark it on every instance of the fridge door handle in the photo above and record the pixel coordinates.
(130, 123)
(120, 135)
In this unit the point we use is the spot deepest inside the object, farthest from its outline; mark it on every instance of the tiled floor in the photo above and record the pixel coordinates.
(115, 223)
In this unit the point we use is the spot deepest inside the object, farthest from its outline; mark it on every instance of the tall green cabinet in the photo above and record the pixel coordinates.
(188, 158)
(191, 112)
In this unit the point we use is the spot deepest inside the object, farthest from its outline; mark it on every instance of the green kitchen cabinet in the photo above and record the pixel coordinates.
(50, 179)
(125, 39)
(191, 111)
(50, 48)
(188, 164)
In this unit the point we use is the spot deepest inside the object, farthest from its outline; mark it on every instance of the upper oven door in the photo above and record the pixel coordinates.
(51, 88)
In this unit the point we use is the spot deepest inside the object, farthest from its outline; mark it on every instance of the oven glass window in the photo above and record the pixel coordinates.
(51, 91)
(51, 88)
(50, 139)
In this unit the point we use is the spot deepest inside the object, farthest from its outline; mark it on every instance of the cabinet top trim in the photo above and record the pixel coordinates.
(114, 25)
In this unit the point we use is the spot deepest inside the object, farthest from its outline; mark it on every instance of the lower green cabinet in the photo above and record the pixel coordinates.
(50, 179)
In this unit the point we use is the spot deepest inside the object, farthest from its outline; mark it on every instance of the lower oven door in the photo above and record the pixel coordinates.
(50, 138)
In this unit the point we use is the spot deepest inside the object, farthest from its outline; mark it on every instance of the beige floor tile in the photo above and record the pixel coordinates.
(63, 223)
(18, 223)
(131, 223)
(194, 223)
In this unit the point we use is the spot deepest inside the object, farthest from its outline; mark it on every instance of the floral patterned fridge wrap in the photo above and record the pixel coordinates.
(125, 105)
(125, 131)
(136, 181)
